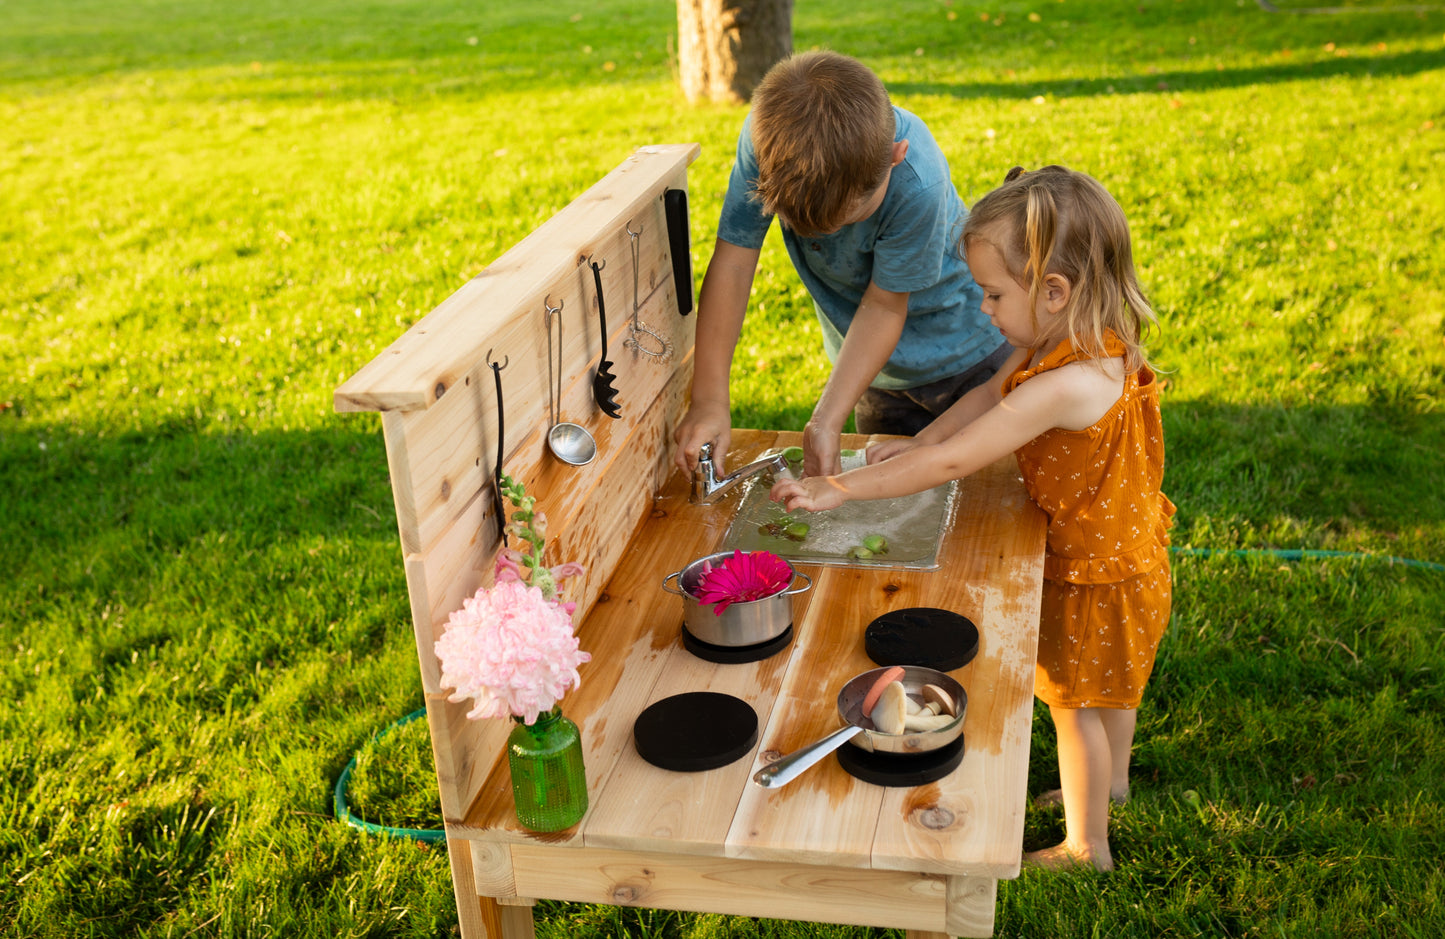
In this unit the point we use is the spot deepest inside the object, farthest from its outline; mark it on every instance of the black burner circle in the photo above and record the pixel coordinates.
(695, 731)
(735, 655)
(900, 769)
(921, 635)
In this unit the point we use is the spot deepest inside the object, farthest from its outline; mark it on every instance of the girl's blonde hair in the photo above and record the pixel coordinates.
(1059, 221)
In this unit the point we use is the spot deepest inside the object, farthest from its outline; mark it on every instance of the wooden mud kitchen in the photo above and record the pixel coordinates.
(472, 390)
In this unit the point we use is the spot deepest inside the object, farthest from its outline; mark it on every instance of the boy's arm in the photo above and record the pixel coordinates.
(721, 305)
(870, 340)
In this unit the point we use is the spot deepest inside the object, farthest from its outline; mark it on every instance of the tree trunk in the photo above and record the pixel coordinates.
(724, 47)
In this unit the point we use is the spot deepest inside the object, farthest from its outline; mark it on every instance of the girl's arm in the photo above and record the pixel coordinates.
(1073, 397)
(963, 412)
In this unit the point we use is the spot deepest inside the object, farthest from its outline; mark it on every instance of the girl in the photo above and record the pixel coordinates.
(1079, 407)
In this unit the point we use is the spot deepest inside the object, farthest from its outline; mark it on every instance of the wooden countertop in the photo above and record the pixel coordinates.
(970, 822)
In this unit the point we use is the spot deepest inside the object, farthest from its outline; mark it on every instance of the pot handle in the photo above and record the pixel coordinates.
(678, 589)
(783, 771)
(802, 589)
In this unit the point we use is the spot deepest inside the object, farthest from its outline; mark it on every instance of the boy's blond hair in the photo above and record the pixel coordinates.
(822, 128)
(1055, 220)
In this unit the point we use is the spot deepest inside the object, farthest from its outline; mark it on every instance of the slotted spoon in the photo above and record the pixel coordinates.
(602, 387)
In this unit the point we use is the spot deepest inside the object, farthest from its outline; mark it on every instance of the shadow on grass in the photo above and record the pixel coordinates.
(258, 546)
(329, 49)
(1376, 65)
(173, 483)
(78, 502)
(464, 80)
(1340, 468)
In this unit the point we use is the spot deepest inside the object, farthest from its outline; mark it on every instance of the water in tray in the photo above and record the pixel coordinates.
(913, 525)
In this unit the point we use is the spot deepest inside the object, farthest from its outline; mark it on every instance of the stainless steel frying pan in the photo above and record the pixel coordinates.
(858, 728)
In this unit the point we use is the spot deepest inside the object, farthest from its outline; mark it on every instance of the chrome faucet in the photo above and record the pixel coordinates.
(707, 488)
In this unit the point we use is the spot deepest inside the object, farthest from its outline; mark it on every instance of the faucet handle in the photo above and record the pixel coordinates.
(704, 476)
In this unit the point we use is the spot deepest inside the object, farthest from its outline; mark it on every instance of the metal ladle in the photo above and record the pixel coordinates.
(570, 443)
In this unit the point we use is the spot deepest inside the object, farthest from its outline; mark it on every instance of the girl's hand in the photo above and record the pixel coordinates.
(888, 449)
(812, 493)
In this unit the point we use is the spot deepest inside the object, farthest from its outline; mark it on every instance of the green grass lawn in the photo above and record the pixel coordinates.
(211, 214)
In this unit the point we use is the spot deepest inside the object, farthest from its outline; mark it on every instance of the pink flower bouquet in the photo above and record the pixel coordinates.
(511, 647)
(754, 575)
(511, 650)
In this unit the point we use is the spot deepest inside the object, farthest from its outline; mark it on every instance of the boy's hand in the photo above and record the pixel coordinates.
(888, 449)
(821, 450)
(702, 424)
(812, 493)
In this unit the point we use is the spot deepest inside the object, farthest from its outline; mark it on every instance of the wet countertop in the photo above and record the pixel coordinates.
(948, 841)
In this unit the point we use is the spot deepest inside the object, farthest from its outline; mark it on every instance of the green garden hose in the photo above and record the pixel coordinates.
(1298, 554)
(343, 811)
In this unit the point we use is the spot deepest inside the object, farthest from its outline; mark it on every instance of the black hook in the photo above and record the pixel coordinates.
(501, 447)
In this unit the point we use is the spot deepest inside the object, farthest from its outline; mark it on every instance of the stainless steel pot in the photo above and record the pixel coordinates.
(859, 730)
(742, 624)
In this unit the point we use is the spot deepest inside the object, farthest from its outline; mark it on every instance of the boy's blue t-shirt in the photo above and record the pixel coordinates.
(910, 244)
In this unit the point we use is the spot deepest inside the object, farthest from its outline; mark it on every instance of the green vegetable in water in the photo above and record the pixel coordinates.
(785, 527)
(872, 545)
(793, 454)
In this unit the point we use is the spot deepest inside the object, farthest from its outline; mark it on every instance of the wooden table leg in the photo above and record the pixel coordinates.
(482, 917)
(476, 915)
(486, 918)
(970, 906)
(516, 916)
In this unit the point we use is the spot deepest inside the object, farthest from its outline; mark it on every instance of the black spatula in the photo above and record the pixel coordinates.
(602, 388)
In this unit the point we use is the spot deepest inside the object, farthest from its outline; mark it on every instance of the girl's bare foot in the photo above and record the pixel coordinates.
(1053, 797)
(1063, 857)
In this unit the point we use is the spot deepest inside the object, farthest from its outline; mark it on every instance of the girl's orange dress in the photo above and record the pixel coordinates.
(1106, 596)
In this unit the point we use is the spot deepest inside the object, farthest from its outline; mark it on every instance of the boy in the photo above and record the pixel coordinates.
(871, 220)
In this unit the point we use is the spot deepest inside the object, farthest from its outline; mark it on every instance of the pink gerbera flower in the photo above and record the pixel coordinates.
(753, 575)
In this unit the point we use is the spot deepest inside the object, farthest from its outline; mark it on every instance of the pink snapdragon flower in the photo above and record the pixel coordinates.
(755, 575)
(509, 567)
(510, 650)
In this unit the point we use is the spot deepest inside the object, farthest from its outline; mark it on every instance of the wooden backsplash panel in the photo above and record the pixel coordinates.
(453, 444)
(437, 395)
(590, 525)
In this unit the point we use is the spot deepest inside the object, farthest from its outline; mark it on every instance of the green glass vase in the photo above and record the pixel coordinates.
(549, 783)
